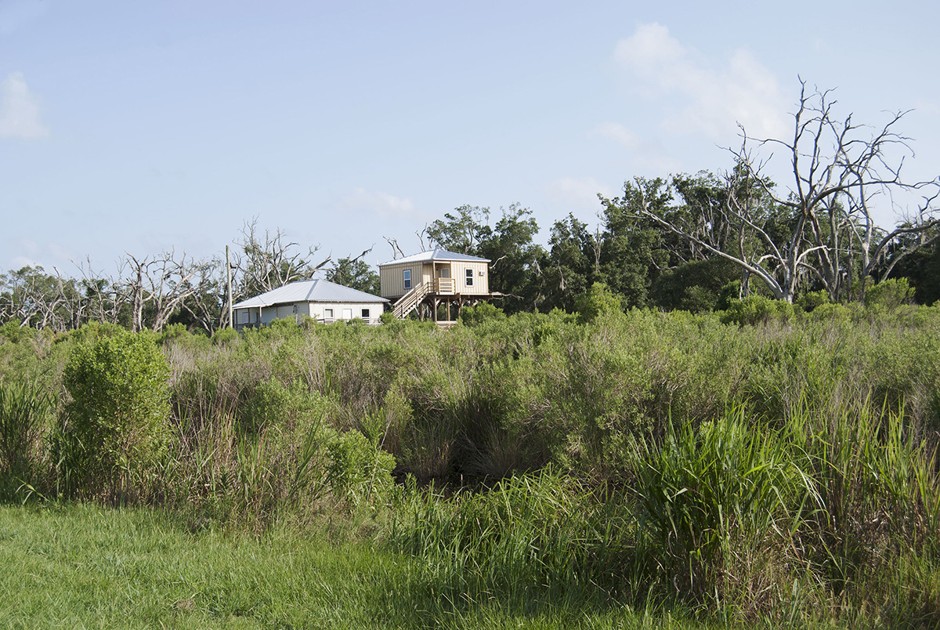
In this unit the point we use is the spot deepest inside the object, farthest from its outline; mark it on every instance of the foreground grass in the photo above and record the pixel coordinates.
(86, 566)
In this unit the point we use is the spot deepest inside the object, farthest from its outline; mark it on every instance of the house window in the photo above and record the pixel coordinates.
(327, 313)
(406, 275)
(365, 313)
(347, 313)
(469, 277)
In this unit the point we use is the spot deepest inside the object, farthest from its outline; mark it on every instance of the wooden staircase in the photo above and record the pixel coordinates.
(410, 301)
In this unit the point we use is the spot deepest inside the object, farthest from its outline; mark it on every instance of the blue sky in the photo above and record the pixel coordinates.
(142, 127)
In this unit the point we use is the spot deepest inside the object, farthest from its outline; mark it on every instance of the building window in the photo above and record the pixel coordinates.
(469, 277)
(365, 313)
(347, 313)
(406, 275)
(327, 313)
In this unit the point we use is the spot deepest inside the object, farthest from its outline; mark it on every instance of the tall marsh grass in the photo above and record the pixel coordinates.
(783, 472)
(25, 413)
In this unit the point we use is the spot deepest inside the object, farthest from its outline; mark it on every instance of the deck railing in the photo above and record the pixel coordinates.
(444, 286)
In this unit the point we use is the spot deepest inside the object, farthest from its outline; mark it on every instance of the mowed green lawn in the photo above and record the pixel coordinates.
(86, 566)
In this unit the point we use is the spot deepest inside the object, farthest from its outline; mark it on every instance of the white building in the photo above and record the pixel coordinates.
(322, 300)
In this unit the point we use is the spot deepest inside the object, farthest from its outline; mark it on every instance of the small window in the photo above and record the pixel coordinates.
(469, 277)
(406, 275)
(327, 313)
(347, 313)
(365, 313)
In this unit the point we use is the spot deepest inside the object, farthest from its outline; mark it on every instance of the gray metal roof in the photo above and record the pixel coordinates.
(435, 255)
(309, 291)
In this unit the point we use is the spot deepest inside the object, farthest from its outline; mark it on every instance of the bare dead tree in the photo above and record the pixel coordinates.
(206, 304)
(156, 287)
(839, 168)
(98, 293)
(268, 260)
(396, 250)
(32, 297)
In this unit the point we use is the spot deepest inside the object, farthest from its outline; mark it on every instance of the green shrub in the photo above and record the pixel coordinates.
(812, 300)
(476, 315)
(889, 294)
(757, 309)
(358, 470)
(597, 301)
(224, 336)
(114, 430)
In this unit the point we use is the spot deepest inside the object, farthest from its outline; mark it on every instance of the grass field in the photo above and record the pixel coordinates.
(85, 566)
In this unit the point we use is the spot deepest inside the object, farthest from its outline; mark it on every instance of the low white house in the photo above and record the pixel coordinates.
(320, 299)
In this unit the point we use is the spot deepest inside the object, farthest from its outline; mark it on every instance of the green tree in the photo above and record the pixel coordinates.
(514, 269)
(695, 286)
(508, 244)
(633, 250)
(571, 264)
(354, 273)
(462, 231)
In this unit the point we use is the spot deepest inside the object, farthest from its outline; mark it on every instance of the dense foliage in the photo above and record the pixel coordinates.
(771, 462)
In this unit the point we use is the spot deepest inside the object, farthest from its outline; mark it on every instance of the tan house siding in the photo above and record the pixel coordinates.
(391, 277)
(478, 271)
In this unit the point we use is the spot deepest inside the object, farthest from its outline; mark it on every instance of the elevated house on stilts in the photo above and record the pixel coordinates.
(435, 284)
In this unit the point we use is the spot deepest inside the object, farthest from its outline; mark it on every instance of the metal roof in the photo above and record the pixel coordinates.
(309, 291)
(435, 255)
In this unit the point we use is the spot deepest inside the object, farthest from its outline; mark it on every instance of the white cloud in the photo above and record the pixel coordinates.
(19, 110)
(712, 98)
(381, 203)
(620, 134)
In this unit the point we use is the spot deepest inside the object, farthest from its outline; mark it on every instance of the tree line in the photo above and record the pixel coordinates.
(681, 241)
(154, 291)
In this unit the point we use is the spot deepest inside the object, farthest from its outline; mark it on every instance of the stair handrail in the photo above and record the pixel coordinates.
(410, 300)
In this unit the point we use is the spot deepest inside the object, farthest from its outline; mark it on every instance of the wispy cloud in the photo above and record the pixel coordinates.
(620, 134)
(580, 192)
(381, 203)
(19, 110)
(713, 97)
